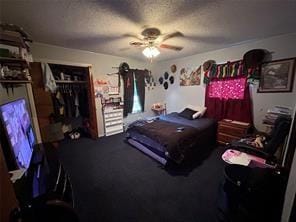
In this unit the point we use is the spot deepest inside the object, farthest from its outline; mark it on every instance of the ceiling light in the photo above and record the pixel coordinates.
(151, 52)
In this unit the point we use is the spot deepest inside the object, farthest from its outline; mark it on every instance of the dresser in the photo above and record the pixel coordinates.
(113, 121)
(229, 130)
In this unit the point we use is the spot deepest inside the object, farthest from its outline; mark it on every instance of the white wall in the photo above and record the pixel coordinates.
(177, 97)
(101, 65)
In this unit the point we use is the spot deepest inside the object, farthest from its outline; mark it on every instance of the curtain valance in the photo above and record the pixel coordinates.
(229, 70)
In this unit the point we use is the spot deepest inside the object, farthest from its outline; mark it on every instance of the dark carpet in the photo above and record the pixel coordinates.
(112, 181)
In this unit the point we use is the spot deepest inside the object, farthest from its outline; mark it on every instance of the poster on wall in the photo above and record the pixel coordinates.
(113, 84)
(190, 77)
(101, 88)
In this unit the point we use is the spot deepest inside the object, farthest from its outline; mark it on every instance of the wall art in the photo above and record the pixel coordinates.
(190, 77)
(277, 76)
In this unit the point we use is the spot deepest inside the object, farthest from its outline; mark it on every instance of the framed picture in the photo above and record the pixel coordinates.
(190, 77)
(277, 76)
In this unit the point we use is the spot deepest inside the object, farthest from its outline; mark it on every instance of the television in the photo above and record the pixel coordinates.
(17, 134)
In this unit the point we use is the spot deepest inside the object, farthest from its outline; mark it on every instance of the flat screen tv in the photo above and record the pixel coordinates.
(18, 133)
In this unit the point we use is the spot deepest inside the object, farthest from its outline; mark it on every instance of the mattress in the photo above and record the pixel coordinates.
(205, 132)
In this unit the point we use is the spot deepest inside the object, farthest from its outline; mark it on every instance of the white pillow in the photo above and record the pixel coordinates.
(196, 115)
(200, 112)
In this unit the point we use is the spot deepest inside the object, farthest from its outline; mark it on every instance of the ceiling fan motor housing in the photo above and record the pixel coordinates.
(151, 33)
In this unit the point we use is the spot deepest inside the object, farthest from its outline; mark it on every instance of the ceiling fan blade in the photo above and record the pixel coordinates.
(137, 44)
(172, 47)
(172, 35)
(132, 36)
(124, 49)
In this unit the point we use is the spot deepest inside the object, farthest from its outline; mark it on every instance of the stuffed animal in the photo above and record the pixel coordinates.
(258, 142)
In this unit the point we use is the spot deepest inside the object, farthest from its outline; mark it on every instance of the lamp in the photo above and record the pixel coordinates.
(151, 52)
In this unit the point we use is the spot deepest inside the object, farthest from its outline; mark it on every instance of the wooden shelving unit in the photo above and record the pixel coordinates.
(15, 81)
(70, 82)
(14, 62)
(9, 59)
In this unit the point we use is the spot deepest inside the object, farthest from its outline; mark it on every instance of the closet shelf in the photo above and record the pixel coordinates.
(15, 81)
(70, 82)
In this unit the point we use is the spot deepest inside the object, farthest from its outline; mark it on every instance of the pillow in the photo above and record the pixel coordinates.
(195, 108)
(196, 115)
(187, 113)
(200, 112)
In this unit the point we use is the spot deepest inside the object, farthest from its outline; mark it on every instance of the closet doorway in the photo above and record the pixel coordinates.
(71, 107)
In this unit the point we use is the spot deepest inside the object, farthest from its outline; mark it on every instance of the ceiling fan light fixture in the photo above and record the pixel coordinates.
(151, 52)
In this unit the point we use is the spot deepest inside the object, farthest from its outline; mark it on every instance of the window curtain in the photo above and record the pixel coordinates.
(128, 94)
(229, 99)
(140, 83)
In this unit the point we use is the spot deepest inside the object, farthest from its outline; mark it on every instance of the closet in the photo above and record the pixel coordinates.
(71, 107)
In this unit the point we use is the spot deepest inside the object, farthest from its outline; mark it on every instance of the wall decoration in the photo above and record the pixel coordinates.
(208, 64)
(173, 68)
(113, 84)
(149, 81)
(166, 75)
(227, 70)
(165, 80)
(101, 88)
(165, 85)
(172, 79)
(160, 80)
(277, 76)
(189, 77)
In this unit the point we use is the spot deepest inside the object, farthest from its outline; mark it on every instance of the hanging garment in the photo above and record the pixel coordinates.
(61, 103)
(48, 79)
(76, 104)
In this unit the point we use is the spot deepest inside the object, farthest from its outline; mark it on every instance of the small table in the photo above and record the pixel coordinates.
(160, 110)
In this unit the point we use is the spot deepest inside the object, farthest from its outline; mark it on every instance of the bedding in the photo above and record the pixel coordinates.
(187, 113)
(171, 135)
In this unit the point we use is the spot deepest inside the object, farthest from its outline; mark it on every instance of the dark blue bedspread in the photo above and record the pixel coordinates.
(206, 131)
(201, 123)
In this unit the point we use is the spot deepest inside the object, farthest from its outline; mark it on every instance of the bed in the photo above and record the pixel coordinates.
(171, 137)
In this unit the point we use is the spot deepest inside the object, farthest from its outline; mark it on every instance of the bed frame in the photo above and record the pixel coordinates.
(147, 151)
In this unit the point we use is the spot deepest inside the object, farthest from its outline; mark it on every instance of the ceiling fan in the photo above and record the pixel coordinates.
(151, 39)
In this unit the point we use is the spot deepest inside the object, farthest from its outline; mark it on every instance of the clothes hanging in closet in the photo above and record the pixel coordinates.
(71, 103)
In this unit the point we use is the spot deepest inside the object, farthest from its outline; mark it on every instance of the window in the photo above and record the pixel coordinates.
(228, 89)
(137, 104)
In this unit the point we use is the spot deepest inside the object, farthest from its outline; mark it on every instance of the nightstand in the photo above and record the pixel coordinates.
(229, 130)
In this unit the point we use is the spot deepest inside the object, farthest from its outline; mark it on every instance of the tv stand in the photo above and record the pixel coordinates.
(44, 186)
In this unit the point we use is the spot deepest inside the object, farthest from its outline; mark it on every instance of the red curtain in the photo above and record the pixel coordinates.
(229, 99)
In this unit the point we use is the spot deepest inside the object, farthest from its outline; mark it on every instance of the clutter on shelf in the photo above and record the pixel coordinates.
(14, 53)
(275, 112)
(14, 42)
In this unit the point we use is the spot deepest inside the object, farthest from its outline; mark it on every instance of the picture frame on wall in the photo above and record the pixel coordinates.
(277, 76)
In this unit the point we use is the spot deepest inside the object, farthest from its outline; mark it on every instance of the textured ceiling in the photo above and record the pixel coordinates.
(101, 26)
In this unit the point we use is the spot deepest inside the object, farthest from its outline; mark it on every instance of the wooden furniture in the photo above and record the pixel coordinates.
(113, 121)
(8, 201)
(43, 99)
(229, 130)
(45, 184)
(10, 84)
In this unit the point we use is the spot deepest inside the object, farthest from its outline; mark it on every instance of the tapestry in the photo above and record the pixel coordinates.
(190, 77)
